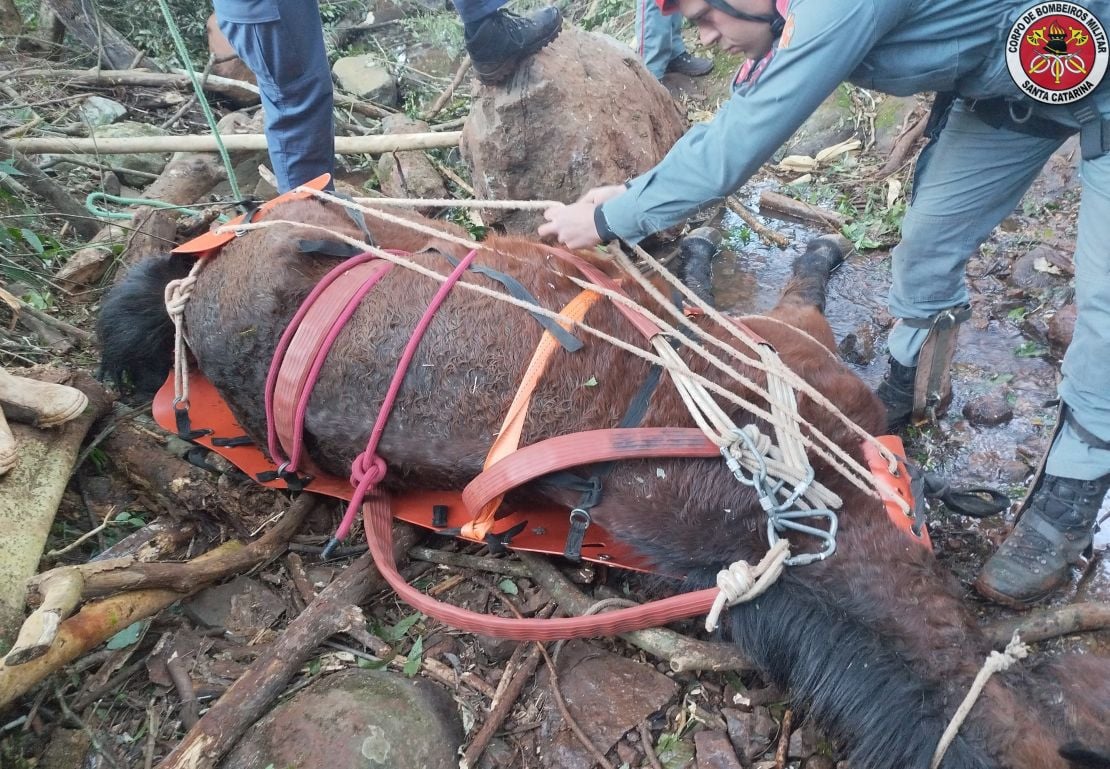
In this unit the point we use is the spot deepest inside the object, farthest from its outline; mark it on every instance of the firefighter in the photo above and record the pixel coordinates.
(1014, 79)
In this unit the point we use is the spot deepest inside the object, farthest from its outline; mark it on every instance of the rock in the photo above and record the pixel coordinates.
(98, 111)
(499, 754)
(356, 719)
(858, 346)
(891, 113)
(581, 113)
(607, 695)
(989, 410)
(432, 59)
(148, 162)
(819, 762)
(1013, 471)
(628, 754)
(804, 741)
(1026, 275)
(1061, 328)
(226, 63)
(714, 751)
(362, 76)
(750, 733)
(831, 123)
(387, 10)
(408, 174)
(243, 607)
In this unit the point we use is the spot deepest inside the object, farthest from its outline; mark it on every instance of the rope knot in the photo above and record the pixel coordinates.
(742, 582)
(367, 469)
(177, 294)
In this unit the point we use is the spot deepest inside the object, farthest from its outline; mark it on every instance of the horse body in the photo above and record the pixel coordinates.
(875, 641)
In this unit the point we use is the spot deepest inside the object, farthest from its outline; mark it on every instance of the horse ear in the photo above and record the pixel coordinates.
(1082, 757)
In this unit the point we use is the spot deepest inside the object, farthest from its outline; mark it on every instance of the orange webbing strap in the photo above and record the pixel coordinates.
(213, 240)
(584, 448)
(508, 438)
(893, 487)
(379, 534)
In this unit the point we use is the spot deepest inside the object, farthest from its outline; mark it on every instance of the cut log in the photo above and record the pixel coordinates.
(333, 611)
(344, 145)
(31, 491)
(85, 24)
(773, 204)
(65, 206)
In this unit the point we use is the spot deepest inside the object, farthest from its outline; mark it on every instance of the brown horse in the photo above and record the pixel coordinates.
(875, 643)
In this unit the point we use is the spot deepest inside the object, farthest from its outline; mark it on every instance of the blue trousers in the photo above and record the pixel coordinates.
(473, 10)
(658, 37)
(282, 41)
(970, 180)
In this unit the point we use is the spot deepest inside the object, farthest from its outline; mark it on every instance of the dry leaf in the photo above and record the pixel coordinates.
(1040, 264)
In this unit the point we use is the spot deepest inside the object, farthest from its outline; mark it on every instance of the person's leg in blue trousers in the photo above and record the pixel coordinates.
(498, 41)
(282, 41)
(658, 37)
(471, 11)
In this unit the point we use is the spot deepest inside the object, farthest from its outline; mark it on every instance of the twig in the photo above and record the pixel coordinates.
(1050, 623)
(98, 746)
(151, 736)
(103, 167)
(78, 335)
(184, 685)
(784, 739)
(188, 103)
(300, 578)
(766, 234)
(451, 175)
(649, 748)
(19, 130)
(444, 97)
(117, 419)
(501, 706)
(112, 510)
(476, 562)
(902, 148)
(682, 653)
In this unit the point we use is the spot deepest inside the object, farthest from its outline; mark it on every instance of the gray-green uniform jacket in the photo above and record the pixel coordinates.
(900, 47)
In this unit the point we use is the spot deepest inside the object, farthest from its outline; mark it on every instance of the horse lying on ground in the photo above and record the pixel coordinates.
(875, 643)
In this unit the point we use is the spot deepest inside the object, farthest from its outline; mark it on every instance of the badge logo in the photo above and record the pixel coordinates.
(1057, 52)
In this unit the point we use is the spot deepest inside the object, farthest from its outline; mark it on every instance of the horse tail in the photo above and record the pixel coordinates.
(136, 334)
(848, 680)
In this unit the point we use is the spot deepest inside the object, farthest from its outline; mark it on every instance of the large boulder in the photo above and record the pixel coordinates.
(356, 719)
(581, 113)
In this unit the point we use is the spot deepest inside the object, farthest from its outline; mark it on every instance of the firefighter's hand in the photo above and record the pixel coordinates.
(572, 225)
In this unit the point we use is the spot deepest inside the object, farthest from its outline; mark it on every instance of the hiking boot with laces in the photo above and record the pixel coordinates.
(504, 39)
(1053, 534)
(690, 65)
(896, 393)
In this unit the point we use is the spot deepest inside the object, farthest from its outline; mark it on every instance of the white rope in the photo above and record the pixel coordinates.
(996, 662)
(742, 582)
(515, 205)
(176, 296)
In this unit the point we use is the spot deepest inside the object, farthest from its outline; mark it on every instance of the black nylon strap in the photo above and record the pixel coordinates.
(1084, 434)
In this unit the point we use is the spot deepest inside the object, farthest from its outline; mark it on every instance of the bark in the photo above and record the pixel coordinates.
(11, 23)
(773, 202)
(83, 23)
(30, 494)
(1050, 623)
(53, 194)
(333, 611)
(344, 145)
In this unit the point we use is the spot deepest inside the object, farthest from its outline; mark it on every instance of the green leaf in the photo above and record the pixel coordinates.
(7, 167)
(508, 586)
(1017, 314)
(32, 240)
(126, 637)
(591, 382)
(366, 664)
(314, 666)
(398, 631)
(412, 667)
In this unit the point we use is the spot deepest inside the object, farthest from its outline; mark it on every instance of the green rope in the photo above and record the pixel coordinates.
(183, 53)
(95, 197)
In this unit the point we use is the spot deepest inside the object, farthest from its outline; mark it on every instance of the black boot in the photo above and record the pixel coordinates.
(696, 266)
(1052, 535)
(896, 393)
(503, 39)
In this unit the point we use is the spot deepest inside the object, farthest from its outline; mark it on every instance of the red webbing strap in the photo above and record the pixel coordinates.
(379, 534)
(315, 334)
(584, 448)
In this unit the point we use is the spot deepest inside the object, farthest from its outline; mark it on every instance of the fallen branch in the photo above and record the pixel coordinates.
(90, 627)
(1050, 623)
(444, 97)
(82, 21)
(101, 78)
(476, 562)
(344, 145)
(796, 209)
(61, 589)
(681, 653)
(65, 206)
(72, 332)
(903, 147)
(502, 704)
(333, 611)
(766, 234)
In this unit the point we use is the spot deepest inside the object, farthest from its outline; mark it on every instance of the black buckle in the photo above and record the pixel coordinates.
(580, 520)
(184, 426)
(293, 481)
(499, 543)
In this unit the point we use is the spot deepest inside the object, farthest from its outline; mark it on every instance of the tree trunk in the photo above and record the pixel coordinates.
(84, 24)
(11, 23)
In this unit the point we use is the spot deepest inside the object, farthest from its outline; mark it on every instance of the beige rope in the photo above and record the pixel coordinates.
(176, 296)
(996, 662)
(516, 205)
(742, 582)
